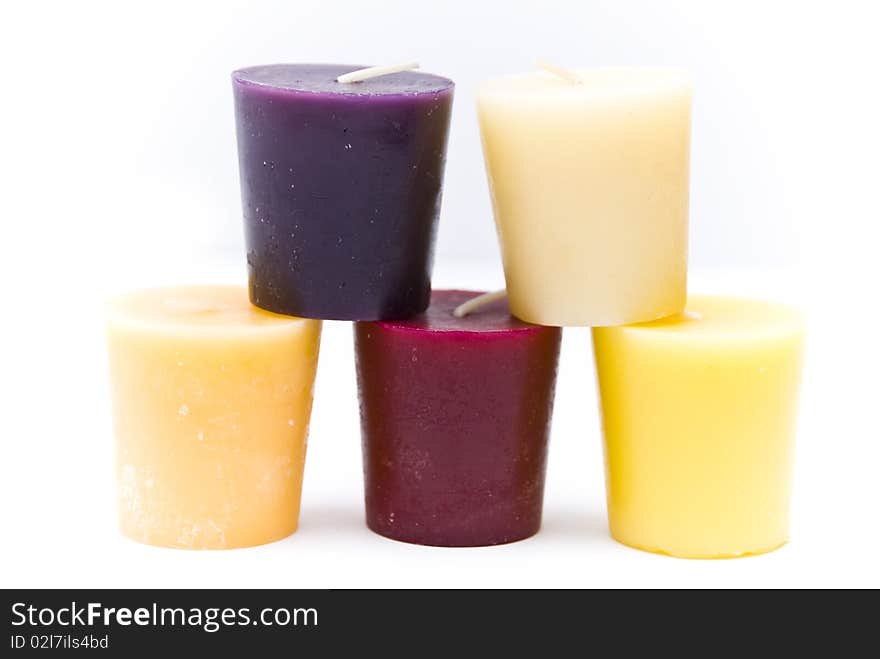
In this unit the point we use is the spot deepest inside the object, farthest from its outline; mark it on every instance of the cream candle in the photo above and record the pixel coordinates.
(699, 421)
(588, 172)
(211, 399)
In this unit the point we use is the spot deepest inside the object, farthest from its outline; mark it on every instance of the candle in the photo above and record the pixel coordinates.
(211, 399)
(699, 420)
(455, 415)
(341, 185)
(589, 179)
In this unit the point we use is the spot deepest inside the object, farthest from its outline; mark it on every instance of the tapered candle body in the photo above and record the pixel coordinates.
(589, 187)
(455, 416)
(341, 187)
(211, 400)
(699, 416)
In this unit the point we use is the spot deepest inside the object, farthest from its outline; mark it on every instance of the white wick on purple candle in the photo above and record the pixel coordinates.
(566, 74)
(374, 71)
(475, 303)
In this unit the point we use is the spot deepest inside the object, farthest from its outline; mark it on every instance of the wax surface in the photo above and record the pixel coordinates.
(341, 186)
(455, 416)
(211, 400)
(699, 419)
(589, 187)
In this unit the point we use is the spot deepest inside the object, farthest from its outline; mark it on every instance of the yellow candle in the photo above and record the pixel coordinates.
(211, 399)
(589, 181)
(699, 420)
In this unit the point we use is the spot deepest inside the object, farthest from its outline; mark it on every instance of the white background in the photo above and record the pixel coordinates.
(118, 169)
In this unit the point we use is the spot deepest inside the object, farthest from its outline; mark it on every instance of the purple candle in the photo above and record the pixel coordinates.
(341, 186)
(455, 414)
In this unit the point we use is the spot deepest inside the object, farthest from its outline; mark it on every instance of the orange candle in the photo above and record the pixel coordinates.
(212, 399)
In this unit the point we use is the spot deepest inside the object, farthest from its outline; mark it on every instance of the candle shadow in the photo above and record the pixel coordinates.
(575, 525)
(335, 520)
(340, 520)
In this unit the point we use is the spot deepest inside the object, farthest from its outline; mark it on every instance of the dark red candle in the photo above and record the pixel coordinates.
(455, 414)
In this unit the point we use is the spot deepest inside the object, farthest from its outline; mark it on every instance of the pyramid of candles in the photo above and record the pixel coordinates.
(341, 178)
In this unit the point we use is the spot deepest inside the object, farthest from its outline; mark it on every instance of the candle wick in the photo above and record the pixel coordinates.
(475, 303)
(374, 71)
(566, 74)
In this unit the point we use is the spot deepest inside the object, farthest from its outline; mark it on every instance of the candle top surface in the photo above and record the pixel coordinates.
(200, 308)
(321, 79)
(493, 317)
(596, 82)
(717, 317)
